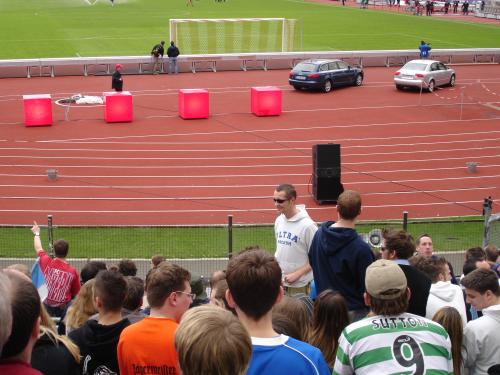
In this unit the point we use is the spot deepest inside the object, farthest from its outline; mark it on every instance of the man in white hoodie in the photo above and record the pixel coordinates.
(443, 292)
(294, 231)
(481, 345)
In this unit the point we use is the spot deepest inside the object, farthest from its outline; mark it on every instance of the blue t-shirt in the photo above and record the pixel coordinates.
(424, 50)
(285, 355)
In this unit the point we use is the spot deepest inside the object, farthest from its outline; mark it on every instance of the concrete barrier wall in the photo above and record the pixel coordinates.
(83, 66)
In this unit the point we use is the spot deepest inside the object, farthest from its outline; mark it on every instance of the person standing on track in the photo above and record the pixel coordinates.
(172, 53)
(157, 53)
(116, 79)
(425, 49)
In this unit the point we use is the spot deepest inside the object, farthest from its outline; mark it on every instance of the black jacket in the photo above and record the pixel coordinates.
(116, 81)
(52, 359)
(98, 345)
(158, 50)
(172, 51)
(419, 285)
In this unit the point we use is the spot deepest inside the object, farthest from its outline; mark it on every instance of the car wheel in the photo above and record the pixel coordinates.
(296, 87)
(452, 80)
(400, 87)
(359, 80)
(431, 85)
(327, 86)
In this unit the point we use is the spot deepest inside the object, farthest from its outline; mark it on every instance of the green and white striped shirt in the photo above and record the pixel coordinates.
(402, 344)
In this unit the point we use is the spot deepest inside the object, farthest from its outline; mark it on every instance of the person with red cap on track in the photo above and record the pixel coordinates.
(117, 80)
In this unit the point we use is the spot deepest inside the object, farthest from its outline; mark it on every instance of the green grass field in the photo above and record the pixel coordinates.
(69, 28)
(448, 235)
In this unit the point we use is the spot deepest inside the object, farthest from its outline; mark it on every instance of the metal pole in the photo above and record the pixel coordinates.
(50, 235)
(230, 236)
(405, 220)
(487, 206)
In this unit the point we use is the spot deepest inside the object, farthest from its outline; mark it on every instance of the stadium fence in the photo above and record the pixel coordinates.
(205, 249)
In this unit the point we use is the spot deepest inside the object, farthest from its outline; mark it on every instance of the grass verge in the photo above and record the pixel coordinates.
(455, 234)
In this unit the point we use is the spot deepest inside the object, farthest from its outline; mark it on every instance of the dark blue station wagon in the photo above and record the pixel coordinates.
(324, 75)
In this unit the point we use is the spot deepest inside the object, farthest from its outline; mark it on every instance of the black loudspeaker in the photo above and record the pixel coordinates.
(326, 173)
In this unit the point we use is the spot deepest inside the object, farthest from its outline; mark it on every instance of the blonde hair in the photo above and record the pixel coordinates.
(450, 319)
(82, 308)
(211, 340)
(48, 328)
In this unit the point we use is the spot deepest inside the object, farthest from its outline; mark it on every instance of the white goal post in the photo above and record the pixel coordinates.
(236, 35)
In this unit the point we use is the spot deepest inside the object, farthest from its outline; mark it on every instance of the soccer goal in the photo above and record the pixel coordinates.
(236, 35)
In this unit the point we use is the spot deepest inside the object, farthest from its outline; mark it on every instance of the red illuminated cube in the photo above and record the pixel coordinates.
(266, 101)
(118, 106)
(37, 110)
(193, 103)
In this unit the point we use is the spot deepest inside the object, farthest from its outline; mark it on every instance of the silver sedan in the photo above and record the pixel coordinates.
(424, 74)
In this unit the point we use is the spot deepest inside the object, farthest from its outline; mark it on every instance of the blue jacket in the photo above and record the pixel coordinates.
(339, 258)
(424, 50)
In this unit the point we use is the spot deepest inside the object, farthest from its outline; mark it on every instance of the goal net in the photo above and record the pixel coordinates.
(236, 35)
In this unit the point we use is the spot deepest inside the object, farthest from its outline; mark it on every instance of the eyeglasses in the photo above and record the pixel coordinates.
(191, 295)
(277, 200)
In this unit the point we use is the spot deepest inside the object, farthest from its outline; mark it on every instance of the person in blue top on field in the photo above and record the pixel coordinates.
(424, 50)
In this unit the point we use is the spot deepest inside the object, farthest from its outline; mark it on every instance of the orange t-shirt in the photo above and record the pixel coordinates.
(147, 347)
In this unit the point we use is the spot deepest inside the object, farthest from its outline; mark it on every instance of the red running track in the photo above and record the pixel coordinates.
(402, 151)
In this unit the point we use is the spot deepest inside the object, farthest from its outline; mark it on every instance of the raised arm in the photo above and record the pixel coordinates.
(37, 243)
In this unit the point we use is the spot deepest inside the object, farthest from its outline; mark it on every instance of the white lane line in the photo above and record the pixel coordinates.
(239, 149)
(284, 141)
(238, 157)
(205, 198)
(413, 191)
(286, 129)
(227, 176)
(260, 166)
(288, 157)
(231, 209)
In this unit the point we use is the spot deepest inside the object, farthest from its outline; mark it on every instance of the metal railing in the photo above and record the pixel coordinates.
(203, 250)
(233, 61)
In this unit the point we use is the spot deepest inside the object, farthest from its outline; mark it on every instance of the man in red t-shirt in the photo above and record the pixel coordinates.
(62, 279)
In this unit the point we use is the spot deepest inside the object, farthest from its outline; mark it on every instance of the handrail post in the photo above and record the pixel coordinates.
(230, 236)
(50, 235)
(487, 206)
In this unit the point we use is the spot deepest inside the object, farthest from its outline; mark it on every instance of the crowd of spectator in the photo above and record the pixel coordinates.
(343, 308)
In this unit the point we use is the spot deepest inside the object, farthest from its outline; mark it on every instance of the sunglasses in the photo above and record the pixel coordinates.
(280, 200)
